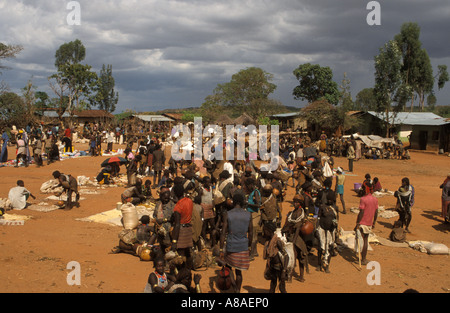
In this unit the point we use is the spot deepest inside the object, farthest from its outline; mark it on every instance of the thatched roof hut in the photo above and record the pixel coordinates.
(245, 120)
(224, 120)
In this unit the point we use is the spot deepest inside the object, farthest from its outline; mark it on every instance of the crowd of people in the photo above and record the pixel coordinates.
(230, 208)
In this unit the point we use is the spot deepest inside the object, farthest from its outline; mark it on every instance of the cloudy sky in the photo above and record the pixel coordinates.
(172, 54)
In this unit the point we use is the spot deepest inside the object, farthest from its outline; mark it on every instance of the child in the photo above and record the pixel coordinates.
(92, 146)
(147, 189)
(143, 231)
(159, 281)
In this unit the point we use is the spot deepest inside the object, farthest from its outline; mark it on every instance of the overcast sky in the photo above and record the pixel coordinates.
(172, 54)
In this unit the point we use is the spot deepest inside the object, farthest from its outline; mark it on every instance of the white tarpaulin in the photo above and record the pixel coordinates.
(373, 141)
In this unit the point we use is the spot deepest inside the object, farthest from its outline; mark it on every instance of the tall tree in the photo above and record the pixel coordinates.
(442, 76)
(410, 47)
(323, 114)
(42, 101)
(8, 52)
(29, 99)
(424, 82)
(73, 82)
(345, 99)
(365, 100)
(388, 79)
(106, 98)
(315, 83)
(248, 91)
(12, 110)
(70, 53)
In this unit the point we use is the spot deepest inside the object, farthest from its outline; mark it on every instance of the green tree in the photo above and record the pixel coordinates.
(105, 97)
(8, 52)
(410, 48)
(73, 83)
(323, 114)
(70, 53)
(12, 110)
(365, 100)
(42, 101)
(424, 82)
(29, 99)
(442, 76)
(315, 83)
(248, 91)
(388, 79)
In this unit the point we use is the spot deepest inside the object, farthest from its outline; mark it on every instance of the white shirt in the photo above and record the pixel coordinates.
(18, 197)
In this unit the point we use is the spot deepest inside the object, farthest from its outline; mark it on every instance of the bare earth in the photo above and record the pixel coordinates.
(34, 257)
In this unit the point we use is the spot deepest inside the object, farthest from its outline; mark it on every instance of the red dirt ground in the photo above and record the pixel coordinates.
(34, 257)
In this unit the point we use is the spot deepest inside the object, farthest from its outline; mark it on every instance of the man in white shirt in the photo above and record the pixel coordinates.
(19, 195)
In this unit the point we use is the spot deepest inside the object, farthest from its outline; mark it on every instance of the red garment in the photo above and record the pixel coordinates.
(67, 132)
(369, 204)
(184, 207)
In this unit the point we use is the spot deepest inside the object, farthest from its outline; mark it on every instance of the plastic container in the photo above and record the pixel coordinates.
(357, 186)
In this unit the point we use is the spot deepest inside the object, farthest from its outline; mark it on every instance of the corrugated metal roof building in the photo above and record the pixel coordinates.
(421, 130)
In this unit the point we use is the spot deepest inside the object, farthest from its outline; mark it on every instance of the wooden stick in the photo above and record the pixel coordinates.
(359, 251)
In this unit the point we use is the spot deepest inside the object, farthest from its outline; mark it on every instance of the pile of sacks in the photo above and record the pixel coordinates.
(5, 203)
(429, 247)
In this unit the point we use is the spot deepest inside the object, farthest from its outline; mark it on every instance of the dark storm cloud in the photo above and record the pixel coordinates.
(168, 54)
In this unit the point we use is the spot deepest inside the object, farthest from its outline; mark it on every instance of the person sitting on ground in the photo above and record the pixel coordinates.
(367, 184)
(159, 281)
(398, 234)
(147, 189)
(133, 194)
(376, 185)
(183, 283)
(143, 230)
(19, 195)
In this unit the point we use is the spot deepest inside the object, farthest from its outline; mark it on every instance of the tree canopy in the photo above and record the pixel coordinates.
(247, 91)
(316, 83)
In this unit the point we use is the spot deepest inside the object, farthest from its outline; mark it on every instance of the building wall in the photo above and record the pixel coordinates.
(425, 137)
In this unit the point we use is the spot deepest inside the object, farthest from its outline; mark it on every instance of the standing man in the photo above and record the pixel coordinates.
(163, 218)
(367, 217)
(253, 205)
(159, 159)
(238, 231)
(339, 189)
(182, 241)
(405, 201)
(350, 155)
(37, 150)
